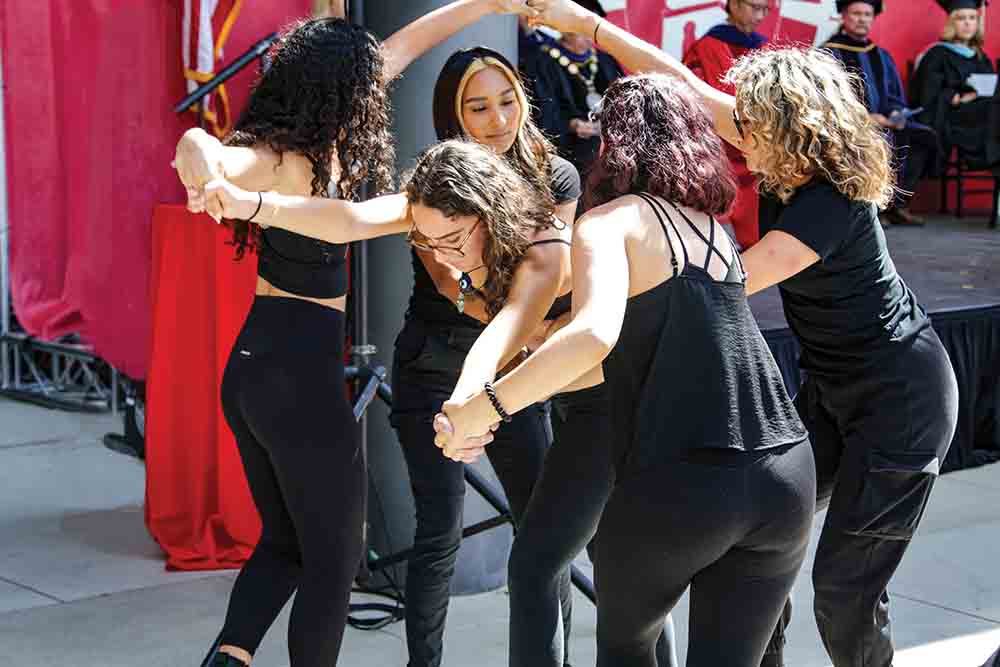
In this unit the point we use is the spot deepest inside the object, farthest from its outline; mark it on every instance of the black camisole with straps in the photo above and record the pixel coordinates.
(691, 369)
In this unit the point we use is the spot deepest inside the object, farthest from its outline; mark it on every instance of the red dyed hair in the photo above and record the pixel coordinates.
(659, 139)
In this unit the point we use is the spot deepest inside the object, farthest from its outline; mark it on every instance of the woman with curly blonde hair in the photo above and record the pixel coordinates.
(880, 398)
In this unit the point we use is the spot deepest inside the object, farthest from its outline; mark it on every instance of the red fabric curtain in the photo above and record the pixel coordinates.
(90, 86)
(198, 506)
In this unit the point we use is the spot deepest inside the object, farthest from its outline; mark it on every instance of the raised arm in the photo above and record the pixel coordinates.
(330, 220)
(637, 56)
(600, 293)
(411, 41)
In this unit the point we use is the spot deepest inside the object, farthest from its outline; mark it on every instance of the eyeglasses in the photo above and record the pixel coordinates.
(416, 239)
(739, 125)
(763, 8)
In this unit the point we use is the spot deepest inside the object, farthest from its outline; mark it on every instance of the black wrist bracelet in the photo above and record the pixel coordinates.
(491, 393)
(596, 28)
(260, 202)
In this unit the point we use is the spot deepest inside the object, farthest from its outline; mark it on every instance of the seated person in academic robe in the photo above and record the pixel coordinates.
(941, 85)
(882, 92)
(710, 58)
(567, 78)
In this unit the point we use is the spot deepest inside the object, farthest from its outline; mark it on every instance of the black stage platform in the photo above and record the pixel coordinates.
(953, 266)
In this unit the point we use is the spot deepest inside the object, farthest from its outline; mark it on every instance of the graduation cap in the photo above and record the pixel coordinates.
(844, 4)
(593, 6)
(954, 5)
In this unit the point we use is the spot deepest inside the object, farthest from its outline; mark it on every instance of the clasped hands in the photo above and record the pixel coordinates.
(557, 14)
(461, 435)
(205, 183)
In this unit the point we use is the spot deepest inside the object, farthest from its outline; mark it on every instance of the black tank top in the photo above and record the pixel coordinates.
(691, 370)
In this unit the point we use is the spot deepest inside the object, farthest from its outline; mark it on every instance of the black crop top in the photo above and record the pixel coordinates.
(302, 265)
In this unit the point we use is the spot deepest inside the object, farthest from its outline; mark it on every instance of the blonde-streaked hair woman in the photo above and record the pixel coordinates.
(880, 399)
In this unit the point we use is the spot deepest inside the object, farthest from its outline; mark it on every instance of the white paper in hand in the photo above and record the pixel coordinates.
(984, 84)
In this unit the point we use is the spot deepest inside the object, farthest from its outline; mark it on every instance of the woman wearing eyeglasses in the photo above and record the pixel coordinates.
(453, 343)
(880, 397)
(454, 340)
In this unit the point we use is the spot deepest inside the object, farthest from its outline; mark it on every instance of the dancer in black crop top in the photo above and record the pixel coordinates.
(715, 482)
(283, 388)
(880, 398)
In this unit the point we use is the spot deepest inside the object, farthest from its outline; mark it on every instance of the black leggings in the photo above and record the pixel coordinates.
(283, 395)
(732, 525)
(427, 364)
(560, 520)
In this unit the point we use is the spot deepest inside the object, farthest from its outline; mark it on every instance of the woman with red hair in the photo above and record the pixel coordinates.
(714, 477)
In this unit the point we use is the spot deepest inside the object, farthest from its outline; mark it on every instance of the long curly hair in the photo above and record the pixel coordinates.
(802, 109)
(463, 178)
(323, 97)
(658, 138)
(531, 154)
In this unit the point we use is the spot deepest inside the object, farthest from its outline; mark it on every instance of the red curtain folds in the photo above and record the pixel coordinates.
(89, 91)
(198, 506)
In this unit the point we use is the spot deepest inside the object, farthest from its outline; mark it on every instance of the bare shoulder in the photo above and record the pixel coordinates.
(261, 168)
(615, 217)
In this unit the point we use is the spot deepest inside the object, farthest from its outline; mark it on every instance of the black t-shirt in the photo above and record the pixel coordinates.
(851, 308)
(429, 305)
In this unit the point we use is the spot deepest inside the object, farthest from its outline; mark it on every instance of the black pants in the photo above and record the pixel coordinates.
(426, 367)
(732, 525)
(561, 519)
(283, 397)
(879, 440)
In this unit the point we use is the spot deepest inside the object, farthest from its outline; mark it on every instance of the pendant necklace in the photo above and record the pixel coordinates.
(465, 287)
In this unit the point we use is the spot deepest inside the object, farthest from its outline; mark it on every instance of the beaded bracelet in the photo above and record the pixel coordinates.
(491, 393)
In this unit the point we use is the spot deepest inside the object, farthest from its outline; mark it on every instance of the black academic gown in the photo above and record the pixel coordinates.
(941, 74)
(560, 97)
(916, 144)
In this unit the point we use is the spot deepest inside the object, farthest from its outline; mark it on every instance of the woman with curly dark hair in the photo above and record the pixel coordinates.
(715, 480)
(316, 124)
(460, 192)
